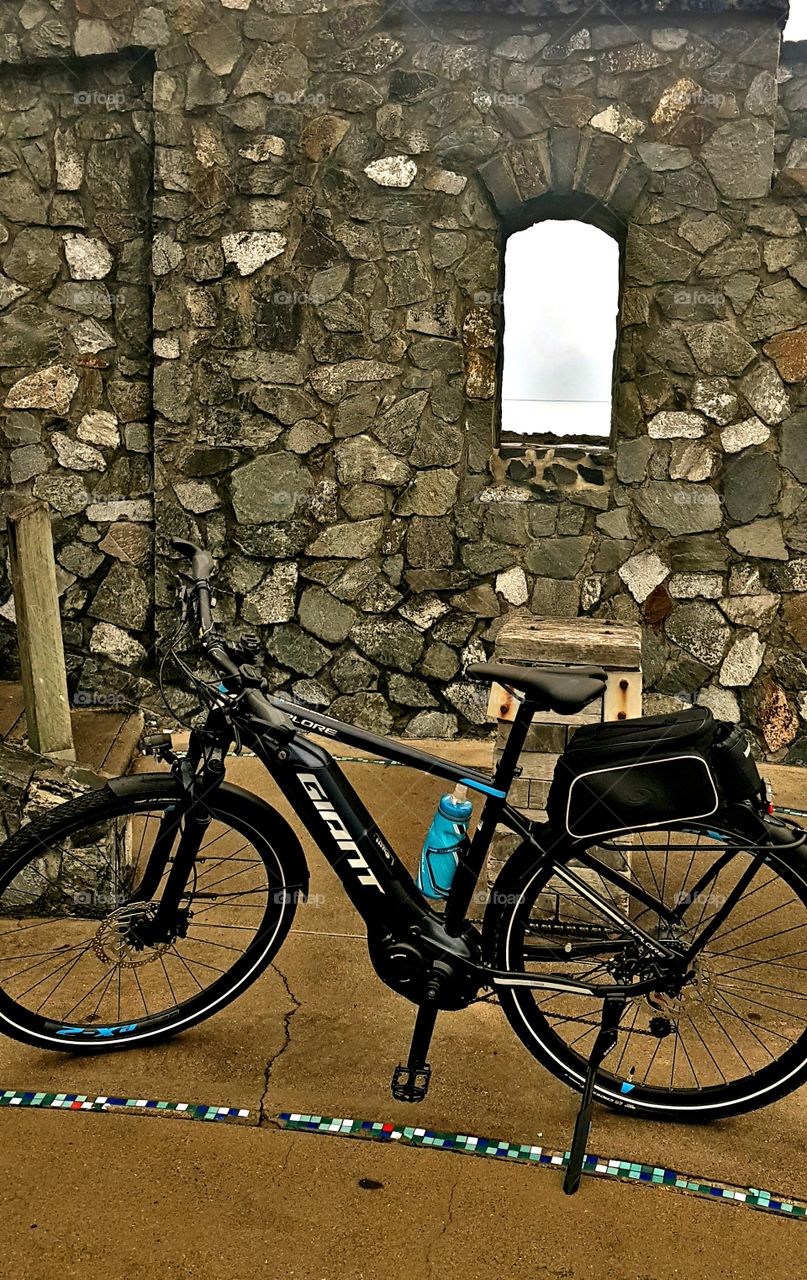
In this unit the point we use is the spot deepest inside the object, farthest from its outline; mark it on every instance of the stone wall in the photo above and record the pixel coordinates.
(332, 190)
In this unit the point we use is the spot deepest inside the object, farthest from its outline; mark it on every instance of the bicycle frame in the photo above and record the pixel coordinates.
(372, 874)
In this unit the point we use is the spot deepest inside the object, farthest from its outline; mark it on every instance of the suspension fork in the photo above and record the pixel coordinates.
(189, 818)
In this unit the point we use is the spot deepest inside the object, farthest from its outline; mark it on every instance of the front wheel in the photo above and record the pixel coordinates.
(730, 1034)
(82, 964)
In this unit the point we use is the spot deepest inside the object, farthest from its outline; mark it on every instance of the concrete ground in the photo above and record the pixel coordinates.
(120, 1196)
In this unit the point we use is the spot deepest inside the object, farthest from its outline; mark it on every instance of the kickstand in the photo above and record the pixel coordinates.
(612, 1010)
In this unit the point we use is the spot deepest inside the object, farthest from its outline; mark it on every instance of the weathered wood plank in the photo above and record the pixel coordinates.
(596, 641)
(39, 631)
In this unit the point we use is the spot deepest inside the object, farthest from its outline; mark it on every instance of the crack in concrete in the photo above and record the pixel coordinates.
(265, 1121)
(430, 1266)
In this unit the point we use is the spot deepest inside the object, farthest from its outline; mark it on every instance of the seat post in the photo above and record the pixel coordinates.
(508, 762)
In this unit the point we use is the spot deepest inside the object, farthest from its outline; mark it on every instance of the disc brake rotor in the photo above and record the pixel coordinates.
(113, 943)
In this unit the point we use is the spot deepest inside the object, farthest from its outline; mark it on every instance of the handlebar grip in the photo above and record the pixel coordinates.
(202, 563)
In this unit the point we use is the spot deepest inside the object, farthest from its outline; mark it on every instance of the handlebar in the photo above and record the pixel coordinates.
(202, 568)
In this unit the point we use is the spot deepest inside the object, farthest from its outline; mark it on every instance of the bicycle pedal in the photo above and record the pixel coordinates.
(410, 1084)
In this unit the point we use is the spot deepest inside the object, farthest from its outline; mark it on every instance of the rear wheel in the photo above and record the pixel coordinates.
(730, 1037)
(81, 965)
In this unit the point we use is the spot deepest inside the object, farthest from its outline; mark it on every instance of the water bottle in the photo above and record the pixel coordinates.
(446, 837)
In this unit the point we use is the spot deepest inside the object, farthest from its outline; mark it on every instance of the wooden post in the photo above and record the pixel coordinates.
(39, 631)
(530, 641)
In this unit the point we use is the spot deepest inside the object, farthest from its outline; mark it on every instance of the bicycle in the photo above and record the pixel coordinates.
(633, 914)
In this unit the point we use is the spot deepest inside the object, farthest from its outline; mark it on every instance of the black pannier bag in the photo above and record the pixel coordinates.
(650, 772)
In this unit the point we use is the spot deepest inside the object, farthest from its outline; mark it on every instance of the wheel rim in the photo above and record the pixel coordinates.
(72, 964)
(738, 1029)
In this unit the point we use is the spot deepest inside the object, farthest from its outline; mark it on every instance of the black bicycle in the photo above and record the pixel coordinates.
(659, 917)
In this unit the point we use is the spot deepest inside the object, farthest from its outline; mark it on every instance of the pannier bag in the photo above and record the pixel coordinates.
(650, 772)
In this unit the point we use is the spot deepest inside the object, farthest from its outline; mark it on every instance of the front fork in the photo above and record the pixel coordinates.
(200, 773)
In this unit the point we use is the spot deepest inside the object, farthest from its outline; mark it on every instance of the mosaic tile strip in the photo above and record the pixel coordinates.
(104, 1102)
(627, 1170)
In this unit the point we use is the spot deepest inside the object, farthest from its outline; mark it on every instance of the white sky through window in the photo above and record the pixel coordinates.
(796, 28)
(561, 296)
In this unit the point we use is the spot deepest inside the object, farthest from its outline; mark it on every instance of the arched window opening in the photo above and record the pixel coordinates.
(561, 301)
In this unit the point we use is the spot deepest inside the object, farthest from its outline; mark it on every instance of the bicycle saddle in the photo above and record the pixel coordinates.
(558, 689)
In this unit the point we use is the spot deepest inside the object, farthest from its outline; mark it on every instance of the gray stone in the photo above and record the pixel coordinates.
(351, 541)
(776, 308)
(679, 507)
(324, 616)
(33, 259)
(197, 496)
(700, 630)
(672, 426)
(471, 700)
(761, 539)
(642, 573)
(297, 650)
(278, 71)
(392, 171)
(273, 487)
(431, 493)
(766, 394)
(718, 348)
(722, 704)
(76, 456)
(410, 692)
(716, 398)
(751, 485)
(739, 157)
(117, 645)
(351, 672)
(273, 600)
(26, 462)
(691, 460)
(690, 586)
(87, 258)
(558, 557)
(122, 594)
(52, 388)
(250, 250)
(742, 434)
(751, 610)
(660, 156)
(652, 259)
(632, 457)
(704, 233)
(390, 642)
(364, 710)
(615, 523)
(743, 660)
(360, 458)
(432, 724)
(407, 280)
(794, 445)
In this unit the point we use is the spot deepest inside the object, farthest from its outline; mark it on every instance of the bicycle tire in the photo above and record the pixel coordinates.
(21, 860)
(521, 881)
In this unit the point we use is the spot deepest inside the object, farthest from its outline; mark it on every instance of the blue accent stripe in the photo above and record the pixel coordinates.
(480, 786)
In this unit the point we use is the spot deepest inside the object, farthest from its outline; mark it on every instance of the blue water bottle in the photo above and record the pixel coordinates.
(446, 837)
